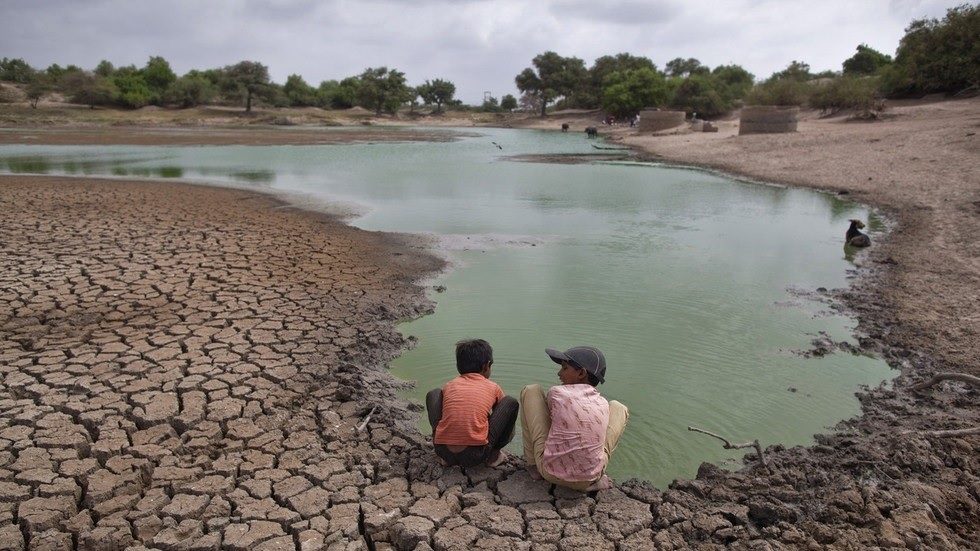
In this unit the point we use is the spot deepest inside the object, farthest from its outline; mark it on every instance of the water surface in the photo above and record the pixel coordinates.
(683, 278)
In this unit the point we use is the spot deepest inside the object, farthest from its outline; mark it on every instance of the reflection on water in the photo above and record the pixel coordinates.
(679, 276)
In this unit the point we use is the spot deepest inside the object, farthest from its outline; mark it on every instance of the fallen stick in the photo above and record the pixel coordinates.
(940, 377)
(945, 433)
(729, 446)
(366, 420)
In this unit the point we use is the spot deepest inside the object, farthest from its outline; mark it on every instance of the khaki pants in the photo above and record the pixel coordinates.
(536, 423)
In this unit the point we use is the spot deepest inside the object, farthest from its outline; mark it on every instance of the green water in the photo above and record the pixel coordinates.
(683, 278)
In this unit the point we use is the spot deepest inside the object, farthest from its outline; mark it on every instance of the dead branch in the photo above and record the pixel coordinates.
(729, 446)
(954, 433)
(940, 377)
(367, 419)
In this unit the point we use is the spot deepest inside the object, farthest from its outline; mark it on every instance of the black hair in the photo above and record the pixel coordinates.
(592, 379)
(472, 355)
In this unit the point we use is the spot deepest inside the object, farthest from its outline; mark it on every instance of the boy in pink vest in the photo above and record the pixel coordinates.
(570, 434)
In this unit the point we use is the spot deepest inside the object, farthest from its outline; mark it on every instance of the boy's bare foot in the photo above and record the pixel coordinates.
(603, 483)
(533, 471)
(498, 459)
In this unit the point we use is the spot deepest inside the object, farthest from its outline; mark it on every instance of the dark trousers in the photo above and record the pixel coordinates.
(503, 417)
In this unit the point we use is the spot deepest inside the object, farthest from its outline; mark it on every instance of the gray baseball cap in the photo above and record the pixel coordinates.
(588, 358)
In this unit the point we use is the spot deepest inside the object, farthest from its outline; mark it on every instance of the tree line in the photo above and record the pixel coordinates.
(934, 56)
(377, 88)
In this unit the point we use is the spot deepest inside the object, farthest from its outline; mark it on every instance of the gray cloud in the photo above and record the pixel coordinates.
(478, 44)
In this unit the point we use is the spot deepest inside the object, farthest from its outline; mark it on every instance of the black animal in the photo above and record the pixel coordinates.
(564, 127)
(854, 237)
(591, 132)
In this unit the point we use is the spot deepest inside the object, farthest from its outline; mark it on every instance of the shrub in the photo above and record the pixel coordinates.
(848, 92)
(779, 92)
(191, 90)
(937, 56)
(698, 94)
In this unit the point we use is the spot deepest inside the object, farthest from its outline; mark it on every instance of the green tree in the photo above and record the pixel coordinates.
(105, 69)
(37, 88)
(15, 70)
(732, 82)
(338, 95)
(867, 61)
(698, 93)
(937, 55)
(796, 70)
(88, 89)
(625, 93)
(131, 89)
(553, 76)
(191, 90)
(680, 67)
(437, 92)
(590, 96)
(382, 89)
(158, 77)
(250, 77)
(490, 105)
(298, 92)
(508, 102)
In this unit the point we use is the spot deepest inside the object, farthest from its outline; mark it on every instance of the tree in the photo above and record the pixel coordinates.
(158, 77)
(796, 70)
(131, 89)
(37, 88)
(104, 69)
(625, 93)
(490, 105)
(937, 56)
(191, 90)
(88, 89)
(382, 89)
(732, 82)
(508, 102)
(438, 92)
(590, 96)
(698, 94)
(553, 76)
(250, 77)
(298, 92)
(867, 61)
(338, 95)
(679, 67)
(15, 70)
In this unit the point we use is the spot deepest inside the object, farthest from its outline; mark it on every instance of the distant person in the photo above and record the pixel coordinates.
(472, 420)
(570, 434)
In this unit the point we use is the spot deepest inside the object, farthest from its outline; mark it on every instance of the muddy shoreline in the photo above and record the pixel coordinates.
(866, 485)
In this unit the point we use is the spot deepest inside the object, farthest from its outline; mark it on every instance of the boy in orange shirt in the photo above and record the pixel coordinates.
(472, 420)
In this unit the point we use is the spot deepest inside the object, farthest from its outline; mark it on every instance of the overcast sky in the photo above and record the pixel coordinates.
(478, 44)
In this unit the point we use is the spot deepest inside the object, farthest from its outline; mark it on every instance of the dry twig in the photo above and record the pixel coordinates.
(729, 446)
(367, 419)
(940, 377)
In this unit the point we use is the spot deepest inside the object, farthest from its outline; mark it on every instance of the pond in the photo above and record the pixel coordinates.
(688, 281)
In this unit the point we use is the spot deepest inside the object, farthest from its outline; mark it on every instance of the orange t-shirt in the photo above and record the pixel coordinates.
(466, 404)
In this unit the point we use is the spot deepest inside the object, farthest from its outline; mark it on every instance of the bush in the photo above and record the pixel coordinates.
(190, 91)
(132, 90)
(848, 92)
(698, 94)
(937, 56)
(779, 92)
